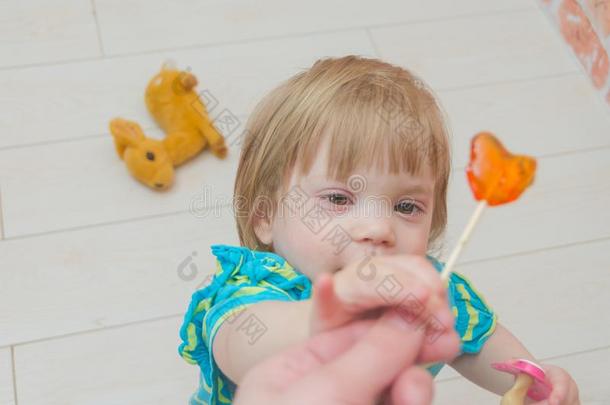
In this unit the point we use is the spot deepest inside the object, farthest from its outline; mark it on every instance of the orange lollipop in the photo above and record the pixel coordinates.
(496, 177)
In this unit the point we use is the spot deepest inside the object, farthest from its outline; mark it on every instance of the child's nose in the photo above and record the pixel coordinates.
(376, 231)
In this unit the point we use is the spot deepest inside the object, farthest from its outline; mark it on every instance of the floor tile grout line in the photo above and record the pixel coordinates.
(53, 141)
(97, 28)
(209, 209)
(437, 90)
(206, 210)
(449, 89)
(544, 360)
(14, 371)
(584, 351)
(227, 205)
(151, 127)
(1, 218)
(109, 223)
(449, 18)
(534, 251)
(369, 34)
(266, 38)
(12, 346)
(554, 155)
(92, 330)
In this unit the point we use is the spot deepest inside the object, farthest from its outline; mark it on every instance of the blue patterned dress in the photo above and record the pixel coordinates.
(244, 277)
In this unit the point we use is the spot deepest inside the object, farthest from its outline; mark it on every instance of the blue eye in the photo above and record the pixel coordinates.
(409, 206)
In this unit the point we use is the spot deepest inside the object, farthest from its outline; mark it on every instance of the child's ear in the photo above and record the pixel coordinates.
(263, 230)
(126, 134)
(262, 222)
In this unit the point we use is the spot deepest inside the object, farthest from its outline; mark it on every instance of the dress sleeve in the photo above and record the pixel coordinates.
(475, 321)
(235, 286)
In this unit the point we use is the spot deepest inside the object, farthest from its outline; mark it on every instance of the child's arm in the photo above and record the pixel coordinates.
(500, 346)
(267, 327)
(263, 329)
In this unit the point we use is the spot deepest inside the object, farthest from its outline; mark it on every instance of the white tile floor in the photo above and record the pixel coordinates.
(90, 300)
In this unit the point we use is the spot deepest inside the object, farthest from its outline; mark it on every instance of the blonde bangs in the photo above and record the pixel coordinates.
(373, 114)
(377, 124)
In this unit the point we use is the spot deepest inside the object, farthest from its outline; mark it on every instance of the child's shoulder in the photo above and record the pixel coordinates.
(245, 267)
(234, 259)
(243, 277)
(236, 254)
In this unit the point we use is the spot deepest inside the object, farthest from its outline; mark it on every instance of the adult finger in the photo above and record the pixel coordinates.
(414, 386)
(302, 358)
(444, 348)
(376, 359)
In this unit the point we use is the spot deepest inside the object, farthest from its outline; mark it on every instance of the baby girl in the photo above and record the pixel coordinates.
(343, 174)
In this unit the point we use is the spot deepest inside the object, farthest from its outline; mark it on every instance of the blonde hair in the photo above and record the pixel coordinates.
(364, 106)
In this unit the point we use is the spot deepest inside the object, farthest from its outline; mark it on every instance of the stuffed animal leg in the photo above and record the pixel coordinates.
(172, 101)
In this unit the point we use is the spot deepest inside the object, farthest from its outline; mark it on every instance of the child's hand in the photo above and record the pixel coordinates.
(565, 391)
(407, 282)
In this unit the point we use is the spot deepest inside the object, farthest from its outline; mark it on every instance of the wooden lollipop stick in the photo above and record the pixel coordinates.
(460, 245)
(463, 240)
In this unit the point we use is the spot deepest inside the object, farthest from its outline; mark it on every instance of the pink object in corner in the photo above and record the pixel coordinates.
(540, 389)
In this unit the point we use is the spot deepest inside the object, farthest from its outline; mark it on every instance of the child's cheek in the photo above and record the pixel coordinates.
(317, 255)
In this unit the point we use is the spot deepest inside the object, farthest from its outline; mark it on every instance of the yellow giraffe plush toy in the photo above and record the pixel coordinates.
(178, 110)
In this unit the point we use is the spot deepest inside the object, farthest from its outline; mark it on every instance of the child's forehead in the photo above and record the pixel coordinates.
(422, 182)
(321, 169)
(319, 166)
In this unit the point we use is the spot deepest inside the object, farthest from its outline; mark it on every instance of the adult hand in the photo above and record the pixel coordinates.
(353, 364)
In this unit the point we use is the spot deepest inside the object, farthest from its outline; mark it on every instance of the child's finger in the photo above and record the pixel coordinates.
(324, 297)
(387, 281)
(323, 291)
(382, 290)
(560, 382)
(418, 266)
(327, 306)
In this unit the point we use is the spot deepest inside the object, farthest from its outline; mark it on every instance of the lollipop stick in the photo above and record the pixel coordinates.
(460, 245)
(463, 240)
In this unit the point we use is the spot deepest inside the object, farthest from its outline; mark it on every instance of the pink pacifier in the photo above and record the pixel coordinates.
(529, 380)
